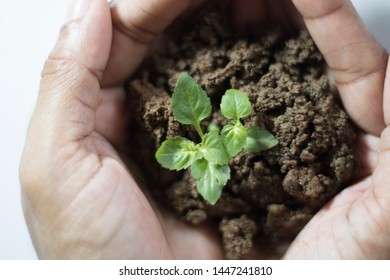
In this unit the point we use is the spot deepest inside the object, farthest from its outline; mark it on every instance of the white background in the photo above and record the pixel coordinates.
(28, 30)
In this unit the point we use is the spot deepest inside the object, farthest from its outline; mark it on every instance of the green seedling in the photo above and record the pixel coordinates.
(209, 159)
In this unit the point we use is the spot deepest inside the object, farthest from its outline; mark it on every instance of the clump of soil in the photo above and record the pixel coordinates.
(272, 194)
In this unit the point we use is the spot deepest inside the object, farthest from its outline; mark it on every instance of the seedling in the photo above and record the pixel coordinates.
(209, 159)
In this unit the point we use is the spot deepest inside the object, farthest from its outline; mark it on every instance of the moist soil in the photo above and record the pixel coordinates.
(272, 194)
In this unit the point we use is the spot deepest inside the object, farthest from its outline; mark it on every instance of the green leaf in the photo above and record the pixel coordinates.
(234, 138)
(210, 179)
(213, 127)
(213, 149)
(190, 103)
(235, 104)
(259, 139)
(177, 153)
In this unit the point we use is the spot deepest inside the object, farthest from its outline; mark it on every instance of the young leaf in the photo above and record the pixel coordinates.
(190, 103)
(235, 104)
(213, 149)
(177, 153)
(210, 179)
(213, 127)
(259, 139)
(234, 138)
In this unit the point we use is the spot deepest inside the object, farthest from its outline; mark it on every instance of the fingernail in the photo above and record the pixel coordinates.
(77, 8)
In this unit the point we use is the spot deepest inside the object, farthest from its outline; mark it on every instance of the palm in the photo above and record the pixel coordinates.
(338, 225)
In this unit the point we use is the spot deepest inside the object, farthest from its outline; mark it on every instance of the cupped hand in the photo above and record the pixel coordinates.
(81, 201)
(356, 223)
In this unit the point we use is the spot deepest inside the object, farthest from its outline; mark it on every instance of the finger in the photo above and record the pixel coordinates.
(380, 196)
(386, 96)
(381, 176)
(373, 231)
(188, 242)
(246, 12)
(113, 116)
(357, 61)
(377, 203)
(70, 92)
(284, 13)
(367, 147)
(136, 24)
(292, 14)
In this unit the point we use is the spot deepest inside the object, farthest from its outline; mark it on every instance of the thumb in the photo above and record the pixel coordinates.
(380, 193)
(70, 88)
(68, 96)
(379, 196)
(381, 176)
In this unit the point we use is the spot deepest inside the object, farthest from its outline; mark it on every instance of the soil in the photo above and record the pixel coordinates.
(271, 195)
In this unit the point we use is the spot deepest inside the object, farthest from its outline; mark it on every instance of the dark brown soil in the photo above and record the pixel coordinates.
(271, 194)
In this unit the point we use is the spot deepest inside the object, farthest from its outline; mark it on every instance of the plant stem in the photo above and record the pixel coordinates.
(199, 130)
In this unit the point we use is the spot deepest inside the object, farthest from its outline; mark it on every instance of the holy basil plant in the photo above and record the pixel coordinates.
(209, 159)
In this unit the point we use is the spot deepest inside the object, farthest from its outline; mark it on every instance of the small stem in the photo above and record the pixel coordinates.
(199, 130)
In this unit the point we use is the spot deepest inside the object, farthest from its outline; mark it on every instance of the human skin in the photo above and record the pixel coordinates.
(80, 198)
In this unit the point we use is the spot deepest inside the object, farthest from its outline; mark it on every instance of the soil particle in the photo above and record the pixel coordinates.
(237, 236)
(272, 194)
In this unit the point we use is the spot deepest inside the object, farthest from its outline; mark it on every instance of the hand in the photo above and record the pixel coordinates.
(81, 201)
(356, 223)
